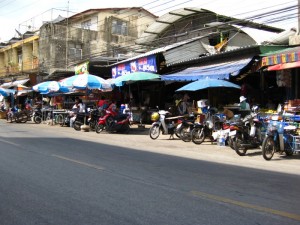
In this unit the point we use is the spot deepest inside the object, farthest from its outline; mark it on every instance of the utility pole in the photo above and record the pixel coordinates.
(298, 17)
(67, 36)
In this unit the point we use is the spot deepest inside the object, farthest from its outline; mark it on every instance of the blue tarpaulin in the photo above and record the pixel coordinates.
(215, 71)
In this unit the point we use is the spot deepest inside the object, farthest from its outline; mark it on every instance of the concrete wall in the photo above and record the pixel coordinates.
(97, 41)
(9, 58)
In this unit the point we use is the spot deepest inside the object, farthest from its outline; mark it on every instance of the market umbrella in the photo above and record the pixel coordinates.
(48, 87)
(136, 76)
(6, 92)
(208, 83)
(86, 81)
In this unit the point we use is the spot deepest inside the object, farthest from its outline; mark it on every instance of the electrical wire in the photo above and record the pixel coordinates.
(103, 52)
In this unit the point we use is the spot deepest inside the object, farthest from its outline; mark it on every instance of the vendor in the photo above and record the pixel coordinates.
(244, 105)
(182, 105)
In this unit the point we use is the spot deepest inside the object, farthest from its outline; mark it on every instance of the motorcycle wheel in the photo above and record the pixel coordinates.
(21, 118)
(198, 135)
(177, 130)
(126, 129)
(93, 125)
(77, 125)
(185, 134)
(239, 149)
(99, 128)
(37, 119)
(268, 148)
(289, 152)
(154, 132)
(230, 142)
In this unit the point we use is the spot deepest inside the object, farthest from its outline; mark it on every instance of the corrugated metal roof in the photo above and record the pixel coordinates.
(166, 20)
(165, 49)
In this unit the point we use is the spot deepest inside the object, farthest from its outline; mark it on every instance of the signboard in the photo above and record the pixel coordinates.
(145, 64)
(281, 58)
(82, 68)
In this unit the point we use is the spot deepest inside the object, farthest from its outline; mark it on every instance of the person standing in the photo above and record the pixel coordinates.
(244, 105)
(183, 106)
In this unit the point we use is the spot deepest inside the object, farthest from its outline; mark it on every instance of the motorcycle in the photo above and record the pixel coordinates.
(248, 135)
(94, 118)
(113, 122)
(204, 130)
(81, 119)
(163, 124)
(185, 128)
(281, 137)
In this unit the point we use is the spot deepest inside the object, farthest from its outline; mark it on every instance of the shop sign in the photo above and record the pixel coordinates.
(82, 68)
(145, 64)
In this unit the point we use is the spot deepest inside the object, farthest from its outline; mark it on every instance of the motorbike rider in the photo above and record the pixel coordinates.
(78, 107)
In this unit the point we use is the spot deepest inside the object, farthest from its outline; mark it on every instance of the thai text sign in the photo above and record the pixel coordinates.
(145, 64)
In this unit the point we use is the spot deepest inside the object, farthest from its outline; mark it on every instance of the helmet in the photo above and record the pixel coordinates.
(155, 116)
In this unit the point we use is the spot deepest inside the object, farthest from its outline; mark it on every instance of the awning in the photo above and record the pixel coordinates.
(14, 83)
(283, 66)
(215, 71)
(284, 56)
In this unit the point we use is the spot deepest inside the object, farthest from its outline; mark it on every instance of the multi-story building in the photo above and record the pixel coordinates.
(97, 36)
(19, 57)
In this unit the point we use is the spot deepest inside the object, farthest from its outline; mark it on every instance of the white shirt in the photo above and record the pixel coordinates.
(80, 107)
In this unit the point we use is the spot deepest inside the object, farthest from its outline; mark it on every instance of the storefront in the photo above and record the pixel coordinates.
(283, 67)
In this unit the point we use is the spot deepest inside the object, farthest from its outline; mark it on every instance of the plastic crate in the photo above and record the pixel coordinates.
(296, 143)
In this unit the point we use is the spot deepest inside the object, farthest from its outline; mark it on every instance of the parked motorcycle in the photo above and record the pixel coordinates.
(204, 130)
(185, 128)
(37, 115)
(113, 122)
(280, 138)
(248, 135)
(163, 124)
(93, 118)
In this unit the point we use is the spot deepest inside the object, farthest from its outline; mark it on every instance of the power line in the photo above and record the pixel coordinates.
(101, 53)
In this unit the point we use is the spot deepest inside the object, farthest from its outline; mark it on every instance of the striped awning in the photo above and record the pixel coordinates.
(285, 56)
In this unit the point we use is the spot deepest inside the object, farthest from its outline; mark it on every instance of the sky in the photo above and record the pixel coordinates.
(23, 15)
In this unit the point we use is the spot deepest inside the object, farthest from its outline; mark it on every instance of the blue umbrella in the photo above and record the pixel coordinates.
(6, 92)
(86, 81)
(48, 87)
(208, 83)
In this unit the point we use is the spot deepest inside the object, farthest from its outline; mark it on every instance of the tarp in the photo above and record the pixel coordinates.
(14, 83)
(215, 71)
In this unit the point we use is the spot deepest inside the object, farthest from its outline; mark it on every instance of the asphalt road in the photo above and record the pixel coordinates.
(55, 175)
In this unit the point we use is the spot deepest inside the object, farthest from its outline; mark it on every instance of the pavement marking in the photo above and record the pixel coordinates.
(9, 142)
(246, 205)
(78, 162)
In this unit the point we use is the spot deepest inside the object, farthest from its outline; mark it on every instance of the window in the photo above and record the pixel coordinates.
(75, 51)
(119, 27)
(86, 24)
(20, 59)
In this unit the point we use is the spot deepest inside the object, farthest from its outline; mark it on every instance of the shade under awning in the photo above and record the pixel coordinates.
(283, 66)
(215, 71)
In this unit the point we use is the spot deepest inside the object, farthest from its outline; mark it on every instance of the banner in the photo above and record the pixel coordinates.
(82, 68)
(145, 64)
